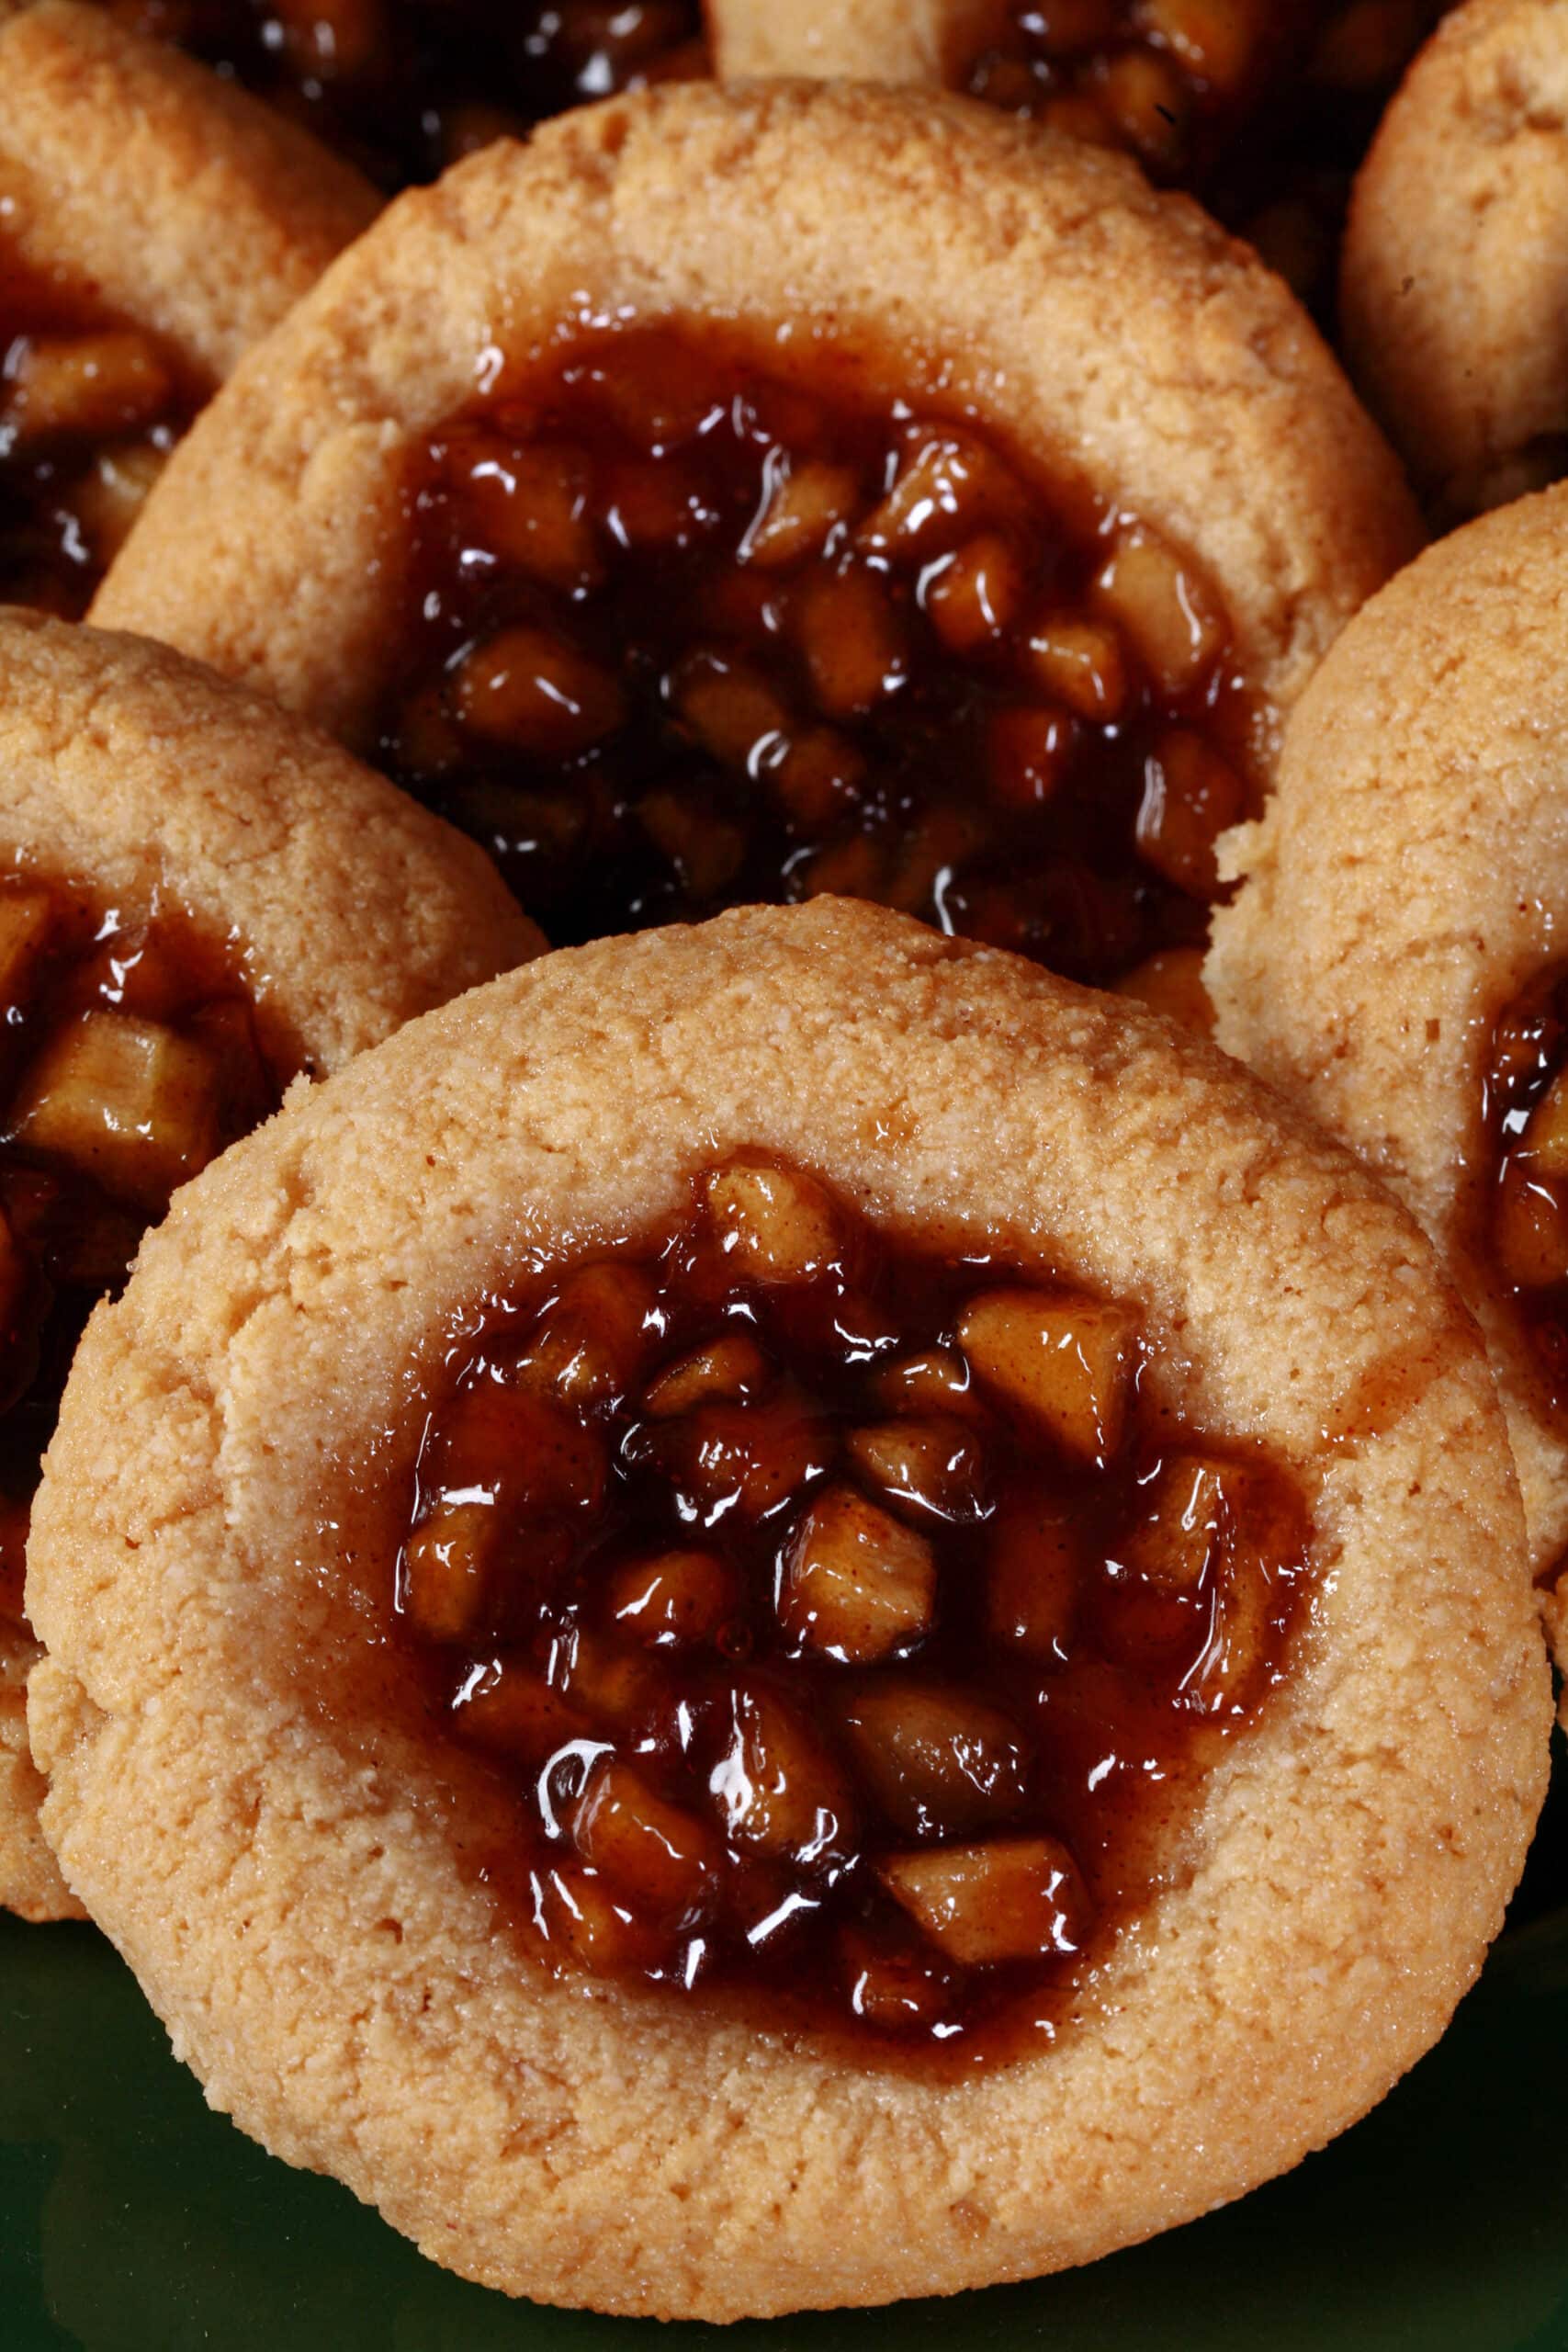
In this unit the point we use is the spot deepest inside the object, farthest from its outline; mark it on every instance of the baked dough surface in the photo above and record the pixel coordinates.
(1117, 337)
(127, 768)
(1452, 306)
(257, 1816)
(1410, 876)
(185, 205)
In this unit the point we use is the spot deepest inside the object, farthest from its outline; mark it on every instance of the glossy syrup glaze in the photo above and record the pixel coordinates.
(404, 87)
(128, 1058)
(1525, 1116)
(851, 1629)
(681, 634)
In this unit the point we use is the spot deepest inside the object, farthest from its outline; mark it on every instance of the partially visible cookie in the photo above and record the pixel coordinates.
(200, 898)
(337, 1903)
(1452, 285)
(1389, 957)
(154, 221)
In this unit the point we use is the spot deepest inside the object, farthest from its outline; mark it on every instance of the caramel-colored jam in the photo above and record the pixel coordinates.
(1264, 107)
(1525, 1115)
(683, 635)
(852, 1628)
(90, 408)
(404, 87)
(128, 1058)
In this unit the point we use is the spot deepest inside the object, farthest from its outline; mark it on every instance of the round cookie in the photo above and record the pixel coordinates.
(287, 1873)
(1408, 881)
(132, 773)
(1039, 281)
(1451, 306)
(139, 195)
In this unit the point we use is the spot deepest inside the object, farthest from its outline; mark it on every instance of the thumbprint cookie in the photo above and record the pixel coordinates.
(199, 898)
(153, 222)
(689, 553)
(788, 1615)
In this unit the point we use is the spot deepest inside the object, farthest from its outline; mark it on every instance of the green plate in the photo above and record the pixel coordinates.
(132, 2220)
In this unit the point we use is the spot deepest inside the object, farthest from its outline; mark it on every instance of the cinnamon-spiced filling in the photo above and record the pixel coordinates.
(681, 634)
(1525, 1115)
(128, 1058)
(1264, 107)
(404, 88)
(90, 407)
(850, 1625)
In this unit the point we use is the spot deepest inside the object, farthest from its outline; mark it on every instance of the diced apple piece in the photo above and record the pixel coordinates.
(976, 593)
(756, 1458)
(856, 1585)
(644, 506)
(577, 1914)
(1530, 1230)
(128, 1102)
(851, 637)
(707, 851)
(948, 484)
(1229, 1672)
(939, 1381)
(731, 1367)
(652, 390)
(514, 1712)
(899, 1992)
(1028, 753)
(1148, 100)
(1171, 981)
(818, 776)
(614, 1685)
(1032, 1581)
(1165, 607)
(529, 505)
(535, 693)
(445, 1571)
(853, 868)
(939, 1758)
(780, 1791)
(109, 498)
(27, 919)
(657, 1854)
(931, 1463)
(1008, 1898)
(522, 1448)
(593, 1341)
(1195, 1503)
(936, 842)
(731, 709)
(1215, 39)
(673, 1598)
(1065, 1361)
(1079, 663)
(89, 385)
(1191, 798)
(774, 1224)
(1546, 1135)
(801, 508)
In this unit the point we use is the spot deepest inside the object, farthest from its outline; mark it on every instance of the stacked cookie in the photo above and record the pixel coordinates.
(803, 1550)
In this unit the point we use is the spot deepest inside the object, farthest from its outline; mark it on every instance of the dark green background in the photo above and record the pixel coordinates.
(131, 2219)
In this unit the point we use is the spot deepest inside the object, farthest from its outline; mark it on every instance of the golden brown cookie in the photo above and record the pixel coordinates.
(1406, 890)
(245, 1784)
(1066, 380)
(1452, 291)
(153, 223)
(172, 815)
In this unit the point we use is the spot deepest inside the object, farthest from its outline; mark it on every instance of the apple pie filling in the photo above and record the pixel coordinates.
(1262, 106)
(404, 87)
(129, 1058)
(682, 635)
(850, 1627)
(1526, 1117)
(90, 408)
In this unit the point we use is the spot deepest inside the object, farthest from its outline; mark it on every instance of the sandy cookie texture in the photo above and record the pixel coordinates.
(182, 204)
(1453, 276)
(262, 1825)
(129, 769)
(1410, 877)
(1115, 335)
